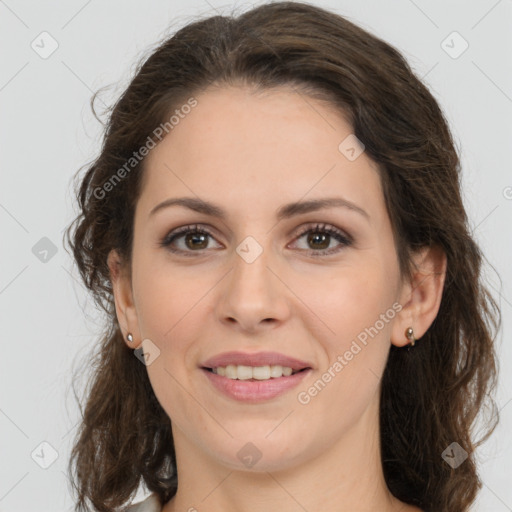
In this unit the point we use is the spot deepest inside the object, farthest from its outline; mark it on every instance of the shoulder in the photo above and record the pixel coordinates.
(150, 504)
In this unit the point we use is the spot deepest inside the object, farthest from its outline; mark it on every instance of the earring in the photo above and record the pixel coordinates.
(409, 334)
(129, 337)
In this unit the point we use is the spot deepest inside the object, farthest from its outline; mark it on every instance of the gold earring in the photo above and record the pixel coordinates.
(409, 334)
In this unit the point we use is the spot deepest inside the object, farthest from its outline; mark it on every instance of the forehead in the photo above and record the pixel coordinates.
(274, 144)
(235, 122)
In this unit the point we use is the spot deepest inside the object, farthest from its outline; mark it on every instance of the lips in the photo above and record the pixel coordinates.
(255, 359)
(255, 392)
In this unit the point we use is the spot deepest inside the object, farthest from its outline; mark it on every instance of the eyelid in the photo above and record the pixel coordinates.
(321, 227)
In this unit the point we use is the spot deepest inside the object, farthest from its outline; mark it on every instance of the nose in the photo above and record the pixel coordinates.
(254, 296)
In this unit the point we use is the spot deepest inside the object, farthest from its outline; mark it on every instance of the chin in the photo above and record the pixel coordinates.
(260, 455)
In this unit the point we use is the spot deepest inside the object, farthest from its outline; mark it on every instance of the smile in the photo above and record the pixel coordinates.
(243, 372)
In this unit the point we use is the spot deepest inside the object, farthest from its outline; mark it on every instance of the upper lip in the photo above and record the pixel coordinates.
(255, 359)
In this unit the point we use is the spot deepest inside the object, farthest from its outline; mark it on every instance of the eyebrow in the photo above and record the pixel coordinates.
(284, 212)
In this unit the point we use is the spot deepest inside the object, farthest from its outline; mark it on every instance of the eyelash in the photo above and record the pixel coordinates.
(344, 239)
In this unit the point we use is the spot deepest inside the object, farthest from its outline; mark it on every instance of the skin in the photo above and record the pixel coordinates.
(250, 154)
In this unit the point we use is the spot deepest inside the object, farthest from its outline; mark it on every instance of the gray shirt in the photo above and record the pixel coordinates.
(150, 504)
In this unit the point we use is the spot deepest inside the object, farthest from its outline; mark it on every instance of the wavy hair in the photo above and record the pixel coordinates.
(431, 395)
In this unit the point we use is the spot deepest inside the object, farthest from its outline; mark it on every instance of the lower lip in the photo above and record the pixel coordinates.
(255, 391)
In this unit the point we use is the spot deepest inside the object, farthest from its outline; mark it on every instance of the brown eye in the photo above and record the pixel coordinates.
(320, 237)
(194, 238)
(319, 240)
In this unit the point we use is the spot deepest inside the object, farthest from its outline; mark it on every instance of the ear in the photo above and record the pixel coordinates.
(123, 297)
(421, 296)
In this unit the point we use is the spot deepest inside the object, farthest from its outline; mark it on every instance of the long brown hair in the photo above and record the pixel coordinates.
(431, 395)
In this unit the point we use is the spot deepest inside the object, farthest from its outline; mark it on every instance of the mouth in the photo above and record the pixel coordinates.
(254, 377)
(254, 373)
(254, 385)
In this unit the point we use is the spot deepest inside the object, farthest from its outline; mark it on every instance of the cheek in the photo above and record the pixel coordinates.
(167, 299)
(171, 308)
(170, 319)
(353, 300)
(358, 314)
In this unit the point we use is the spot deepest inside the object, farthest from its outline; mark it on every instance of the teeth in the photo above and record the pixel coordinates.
(242, 372)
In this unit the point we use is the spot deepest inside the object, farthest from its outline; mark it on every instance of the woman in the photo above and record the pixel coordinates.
(275, 230)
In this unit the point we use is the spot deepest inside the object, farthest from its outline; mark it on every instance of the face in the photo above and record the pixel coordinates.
(321, 286)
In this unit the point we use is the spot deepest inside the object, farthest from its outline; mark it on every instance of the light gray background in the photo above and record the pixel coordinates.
(48, 133)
